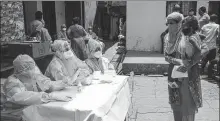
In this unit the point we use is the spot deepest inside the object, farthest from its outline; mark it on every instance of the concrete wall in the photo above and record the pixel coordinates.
(60, 14)
(202, 3)
(90, 12)
(145, 23)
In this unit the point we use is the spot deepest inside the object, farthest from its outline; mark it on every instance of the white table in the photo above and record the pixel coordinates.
(97, 102)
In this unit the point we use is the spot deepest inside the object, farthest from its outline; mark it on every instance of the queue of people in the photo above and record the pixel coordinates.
(188, 41)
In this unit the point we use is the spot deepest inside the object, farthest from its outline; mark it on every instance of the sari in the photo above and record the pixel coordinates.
(187, 98)
(77, 34)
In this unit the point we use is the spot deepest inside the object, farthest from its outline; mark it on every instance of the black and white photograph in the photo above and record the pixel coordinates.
(110, 60)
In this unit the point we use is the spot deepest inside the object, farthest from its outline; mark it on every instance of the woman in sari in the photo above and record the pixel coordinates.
(96, 61)
(183, 49)
(77, 34)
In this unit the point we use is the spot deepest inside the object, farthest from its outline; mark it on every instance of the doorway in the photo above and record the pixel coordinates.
(49, 17)
(74, 9)
(214, 8)
(107, 19)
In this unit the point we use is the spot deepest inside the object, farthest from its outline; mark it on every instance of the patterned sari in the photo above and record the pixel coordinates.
(187, 98)
(77, 34)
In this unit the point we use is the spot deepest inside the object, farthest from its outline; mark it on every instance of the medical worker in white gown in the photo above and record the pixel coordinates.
(28, 86)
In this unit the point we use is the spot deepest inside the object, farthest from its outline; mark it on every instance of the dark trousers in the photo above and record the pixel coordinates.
(208, 58)
(211, 66)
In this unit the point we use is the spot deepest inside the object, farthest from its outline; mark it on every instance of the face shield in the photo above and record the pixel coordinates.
(62, 49)
(25, 68)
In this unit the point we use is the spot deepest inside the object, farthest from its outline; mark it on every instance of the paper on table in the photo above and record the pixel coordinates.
(103, 78)
(177, 74)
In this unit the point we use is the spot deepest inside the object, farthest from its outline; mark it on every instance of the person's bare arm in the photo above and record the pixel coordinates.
(172, 60)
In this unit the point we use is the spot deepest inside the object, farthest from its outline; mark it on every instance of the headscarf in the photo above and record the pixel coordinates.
(58, 45)
(92, 45)
(23, 63)
(70, 64)
(175, 33)
(36, 26)
(63, 26)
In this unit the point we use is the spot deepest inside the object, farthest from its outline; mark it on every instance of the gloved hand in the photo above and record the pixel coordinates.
(79, 87)
(83, 72)
(67, 82)
(57, 87)
(56, 97)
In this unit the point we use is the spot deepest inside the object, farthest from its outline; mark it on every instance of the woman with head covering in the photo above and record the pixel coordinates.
(96, 61)
(28, 86)
(77, 34)
(95, 37)
(183, 52)
(37, 28)
(62, 34)
(65, 65)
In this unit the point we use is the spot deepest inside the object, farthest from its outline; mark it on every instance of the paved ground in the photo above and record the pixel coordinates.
(150, 100)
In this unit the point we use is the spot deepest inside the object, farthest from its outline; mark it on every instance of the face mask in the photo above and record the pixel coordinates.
(186, 31)
(98, 54)
(173, 28)
(28, 77)
(64, 29)
(68, 54)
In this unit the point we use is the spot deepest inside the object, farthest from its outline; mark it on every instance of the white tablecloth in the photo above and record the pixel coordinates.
(97, 102)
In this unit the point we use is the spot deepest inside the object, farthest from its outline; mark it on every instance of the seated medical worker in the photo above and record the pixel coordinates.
(65, 65)
(95, 37)
(95, 61)
(28, 86)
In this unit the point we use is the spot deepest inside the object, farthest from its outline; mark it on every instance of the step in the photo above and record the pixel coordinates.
(144, 63)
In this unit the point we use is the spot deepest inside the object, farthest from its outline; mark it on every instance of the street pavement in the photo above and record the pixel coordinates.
(149, 97)
(150, 100)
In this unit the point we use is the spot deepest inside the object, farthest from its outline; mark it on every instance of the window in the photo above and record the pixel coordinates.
(185, 6)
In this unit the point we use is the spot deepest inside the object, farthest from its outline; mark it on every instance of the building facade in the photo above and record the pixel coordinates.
(55, 13)
(146, 21)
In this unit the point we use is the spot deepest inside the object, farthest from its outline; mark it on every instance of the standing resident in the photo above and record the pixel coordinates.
(204, 17)
(211, 31)
(182, 50)
(77, 34)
